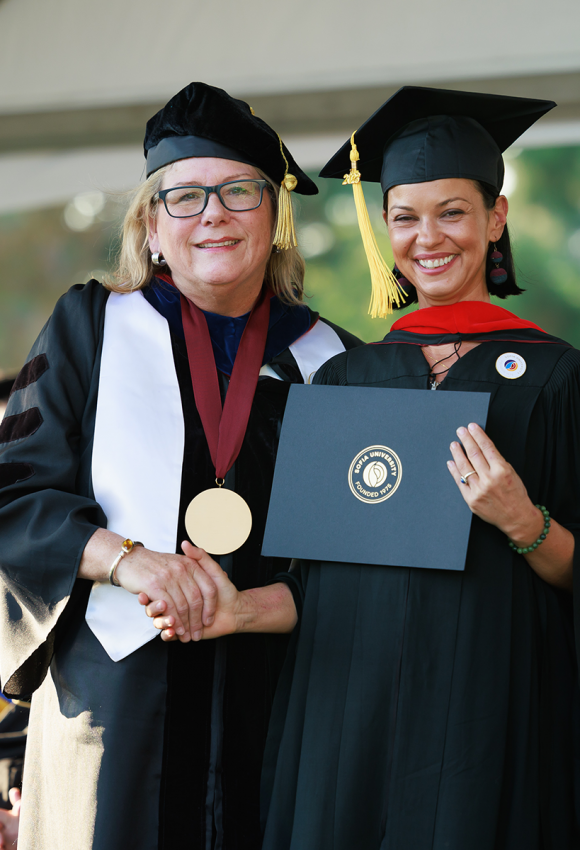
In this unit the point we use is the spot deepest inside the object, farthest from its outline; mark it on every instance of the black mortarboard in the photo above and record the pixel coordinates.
(422, 134)
(203, 120)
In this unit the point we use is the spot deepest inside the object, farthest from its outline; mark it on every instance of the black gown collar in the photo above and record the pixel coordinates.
(520, 335)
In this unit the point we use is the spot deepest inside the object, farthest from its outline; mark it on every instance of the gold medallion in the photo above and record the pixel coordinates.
(218, 520)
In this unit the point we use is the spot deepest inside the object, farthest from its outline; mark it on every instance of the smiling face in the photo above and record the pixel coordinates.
(217, 258)
(440, 232)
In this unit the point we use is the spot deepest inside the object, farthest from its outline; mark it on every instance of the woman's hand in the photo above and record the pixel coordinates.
(227, 601)
(186, 589)
(261, 609)
(496, 493)
(10, 822)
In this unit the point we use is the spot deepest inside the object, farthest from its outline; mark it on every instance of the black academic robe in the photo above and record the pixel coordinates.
(432, 710)
(164, 747)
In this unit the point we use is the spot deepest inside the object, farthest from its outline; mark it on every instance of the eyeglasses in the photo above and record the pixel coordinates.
(235, 195)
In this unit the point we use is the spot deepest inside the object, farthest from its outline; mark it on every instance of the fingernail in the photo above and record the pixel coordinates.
(209, 621)
(180, 631)
(196, 635)
(454, 445)
(461, 431)
(472, 426)
(449, 464)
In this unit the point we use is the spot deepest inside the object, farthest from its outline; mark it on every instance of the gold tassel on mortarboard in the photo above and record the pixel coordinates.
(285, 236)
(385, 286)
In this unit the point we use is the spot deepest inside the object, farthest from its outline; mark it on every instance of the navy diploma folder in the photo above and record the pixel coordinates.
(361, 477)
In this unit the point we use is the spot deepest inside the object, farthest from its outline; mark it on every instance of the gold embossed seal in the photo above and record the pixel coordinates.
(375, 474)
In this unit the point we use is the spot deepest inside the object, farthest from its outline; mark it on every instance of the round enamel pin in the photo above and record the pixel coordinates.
(510, 365)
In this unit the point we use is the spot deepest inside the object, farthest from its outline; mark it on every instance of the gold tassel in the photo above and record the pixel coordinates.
(285, 236)
(386, 289)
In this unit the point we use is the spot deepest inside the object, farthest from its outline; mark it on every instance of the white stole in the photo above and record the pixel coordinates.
(137, 456)
(314, 348)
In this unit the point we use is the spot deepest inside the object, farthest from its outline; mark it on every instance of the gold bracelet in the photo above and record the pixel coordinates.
(128, 546)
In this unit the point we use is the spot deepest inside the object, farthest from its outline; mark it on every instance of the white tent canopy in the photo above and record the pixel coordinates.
(77, 53)
(80, 78)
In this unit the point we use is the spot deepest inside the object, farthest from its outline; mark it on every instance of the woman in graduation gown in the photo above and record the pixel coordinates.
(422, 708)
(135, 743)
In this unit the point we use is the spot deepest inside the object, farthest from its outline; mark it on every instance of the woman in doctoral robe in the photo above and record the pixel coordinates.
(422, 708)
(134, 743)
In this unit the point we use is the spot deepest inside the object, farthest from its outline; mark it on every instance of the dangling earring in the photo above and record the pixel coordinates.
(497, 275)
(402, 280)
(157, 259)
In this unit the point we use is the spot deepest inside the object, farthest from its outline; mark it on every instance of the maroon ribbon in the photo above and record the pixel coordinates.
(225, 428)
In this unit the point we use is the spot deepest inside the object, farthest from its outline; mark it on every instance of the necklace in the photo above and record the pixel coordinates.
(433, 382)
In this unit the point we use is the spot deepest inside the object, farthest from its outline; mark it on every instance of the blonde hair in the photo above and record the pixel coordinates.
(134, 267)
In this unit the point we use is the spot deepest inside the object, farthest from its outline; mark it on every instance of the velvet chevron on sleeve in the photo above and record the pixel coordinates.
(47, 513)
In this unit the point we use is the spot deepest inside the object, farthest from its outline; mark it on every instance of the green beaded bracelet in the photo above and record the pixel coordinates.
(541, 538)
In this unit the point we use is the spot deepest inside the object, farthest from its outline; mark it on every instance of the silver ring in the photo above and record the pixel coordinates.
(464, 478)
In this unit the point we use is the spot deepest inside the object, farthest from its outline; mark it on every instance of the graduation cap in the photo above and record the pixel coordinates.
(203, 120)
(423, 134)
